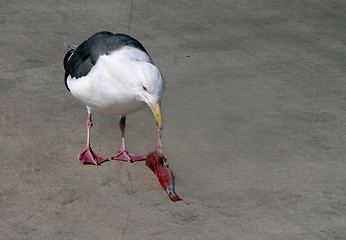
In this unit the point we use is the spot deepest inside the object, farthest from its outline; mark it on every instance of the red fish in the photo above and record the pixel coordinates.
(157, 163)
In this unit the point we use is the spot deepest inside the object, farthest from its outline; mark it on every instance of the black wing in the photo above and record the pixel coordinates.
(78, 62)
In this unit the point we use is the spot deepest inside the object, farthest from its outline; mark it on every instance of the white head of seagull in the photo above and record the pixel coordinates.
(150, 93)
(113, 73)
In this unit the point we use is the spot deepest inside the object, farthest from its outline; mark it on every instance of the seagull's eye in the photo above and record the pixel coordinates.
(144, 88)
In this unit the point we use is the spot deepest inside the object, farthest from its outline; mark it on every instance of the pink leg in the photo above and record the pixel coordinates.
(88, 156)
(123, 154)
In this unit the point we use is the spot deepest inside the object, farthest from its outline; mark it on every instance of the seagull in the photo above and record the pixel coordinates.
(113, 74)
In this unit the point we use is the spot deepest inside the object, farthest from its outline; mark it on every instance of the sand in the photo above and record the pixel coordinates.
(254, 123)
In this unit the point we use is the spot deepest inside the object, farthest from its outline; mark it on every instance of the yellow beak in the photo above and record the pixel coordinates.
(157, 114)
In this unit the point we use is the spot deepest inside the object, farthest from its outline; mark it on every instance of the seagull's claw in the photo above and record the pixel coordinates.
(123, 155)
(88, 156)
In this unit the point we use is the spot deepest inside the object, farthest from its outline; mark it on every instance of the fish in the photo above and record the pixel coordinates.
(156, 161)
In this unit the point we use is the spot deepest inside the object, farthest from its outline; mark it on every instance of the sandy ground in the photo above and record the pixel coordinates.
(254, 128)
